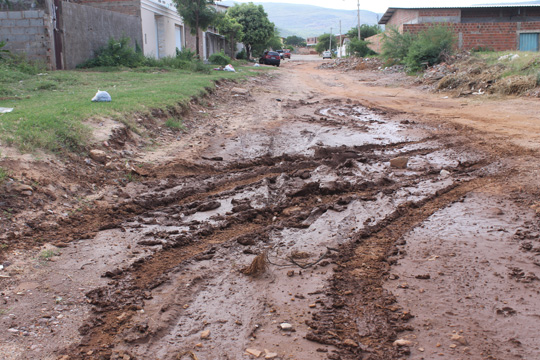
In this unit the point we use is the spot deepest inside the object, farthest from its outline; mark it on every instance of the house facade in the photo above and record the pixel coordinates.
(499, 28)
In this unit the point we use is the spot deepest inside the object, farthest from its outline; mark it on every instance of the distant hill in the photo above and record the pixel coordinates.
(307, 20)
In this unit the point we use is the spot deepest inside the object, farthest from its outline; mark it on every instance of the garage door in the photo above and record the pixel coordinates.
(528, 42)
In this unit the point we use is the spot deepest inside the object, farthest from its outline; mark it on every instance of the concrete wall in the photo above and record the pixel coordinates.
(128, 7)
(86, 29)
(403, 16)
(26, 32)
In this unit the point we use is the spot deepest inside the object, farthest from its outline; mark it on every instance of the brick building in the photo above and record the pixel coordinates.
(512, 27)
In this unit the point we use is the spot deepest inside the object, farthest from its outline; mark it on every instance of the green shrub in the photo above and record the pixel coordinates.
(242, 55)
(395, 46)
(3, 175)
(430, 47)
(359, 48)
(116, 53)
(175, 124)
(3, 51)
(185, 54)
(198, 66)
(219, 58)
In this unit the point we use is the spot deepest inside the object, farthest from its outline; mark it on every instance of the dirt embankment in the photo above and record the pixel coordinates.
(338, 217)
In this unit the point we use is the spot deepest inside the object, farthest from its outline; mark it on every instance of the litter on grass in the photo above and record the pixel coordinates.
(102, 96)
(5, 110)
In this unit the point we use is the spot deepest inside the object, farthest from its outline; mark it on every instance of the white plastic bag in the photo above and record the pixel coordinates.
(256, 65)
(102, 96)
(229, 68)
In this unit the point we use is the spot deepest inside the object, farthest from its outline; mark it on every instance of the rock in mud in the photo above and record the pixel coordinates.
(22, 189)
(286, 327)
(98, 156)
(349, 342)
(399, 162)
(270, 355)
(239, 91)
(254, 352)
(460, 339)
(402, 342)
(212, 205)
(205, 334)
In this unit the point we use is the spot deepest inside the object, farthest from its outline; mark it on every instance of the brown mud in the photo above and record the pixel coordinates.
(277, 227)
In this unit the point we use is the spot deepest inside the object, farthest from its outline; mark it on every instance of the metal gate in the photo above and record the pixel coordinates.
(528, 42)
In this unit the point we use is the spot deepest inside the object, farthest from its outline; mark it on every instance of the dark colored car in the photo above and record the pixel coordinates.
(286, 54)
(270, 58)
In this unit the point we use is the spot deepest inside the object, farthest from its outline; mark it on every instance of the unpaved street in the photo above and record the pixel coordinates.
(311, 214)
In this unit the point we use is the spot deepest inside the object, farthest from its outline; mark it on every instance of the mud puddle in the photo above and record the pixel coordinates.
(470, 281)
(167, 283)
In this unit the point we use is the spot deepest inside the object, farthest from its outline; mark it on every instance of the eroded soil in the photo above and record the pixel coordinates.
(277, 227)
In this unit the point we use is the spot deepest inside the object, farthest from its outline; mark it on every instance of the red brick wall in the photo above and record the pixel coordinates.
(497, 36)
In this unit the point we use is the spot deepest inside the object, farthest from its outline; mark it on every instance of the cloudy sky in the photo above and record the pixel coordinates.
(381, 5)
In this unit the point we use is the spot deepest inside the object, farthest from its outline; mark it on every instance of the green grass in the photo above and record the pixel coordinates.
(528, 63)
(175, 124)
(47, 254)
(3, 175)
(50, 108)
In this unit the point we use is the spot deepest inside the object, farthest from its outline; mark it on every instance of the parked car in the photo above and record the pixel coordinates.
(280, 52)
(270, 58)
(327, 54)
(286, 54)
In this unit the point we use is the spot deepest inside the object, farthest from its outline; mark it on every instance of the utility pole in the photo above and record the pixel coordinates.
(330, 40)
(340, 41)
(359, 20)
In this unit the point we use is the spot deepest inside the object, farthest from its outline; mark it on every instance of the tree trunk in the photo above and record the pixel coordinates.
(197, 33)
(248, 51)
(233, 53)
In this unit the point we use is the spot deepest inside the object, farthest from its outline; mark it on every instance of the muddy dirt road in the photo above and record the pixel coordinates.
(337, 216)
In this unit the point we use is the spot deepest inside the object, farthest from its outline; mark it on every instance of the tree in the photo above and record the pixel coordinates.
(197, 14)
(365, 31)
(323, 43)
(257, 28)
(359, 48)
(295, 41)
(232, 29)
(274, 42)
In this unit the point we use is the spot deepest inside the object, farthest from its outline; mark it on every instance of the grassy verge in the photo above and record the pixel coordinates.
(513, 62)
(50, 107)
(502, 73)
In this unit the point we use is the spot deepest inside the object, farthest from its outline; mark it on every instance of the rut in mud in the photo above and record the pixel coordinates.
(293, 238)
(306, 196)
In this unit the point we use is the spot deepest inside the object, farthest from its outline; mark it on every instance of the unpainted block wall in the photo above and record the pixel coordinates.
(87, 28)
(25, 32)
(128, 7)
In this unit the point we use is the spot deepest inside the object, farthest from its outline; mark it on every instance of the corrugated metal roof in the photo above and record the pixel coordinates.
(388, 14)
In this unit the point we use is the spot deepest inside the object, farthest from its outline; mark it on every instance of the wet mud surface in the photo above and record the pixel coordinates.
(292, 238)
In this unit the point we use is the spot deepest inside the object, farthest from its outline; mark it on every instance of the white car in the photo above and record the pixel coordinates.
(326, 54)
